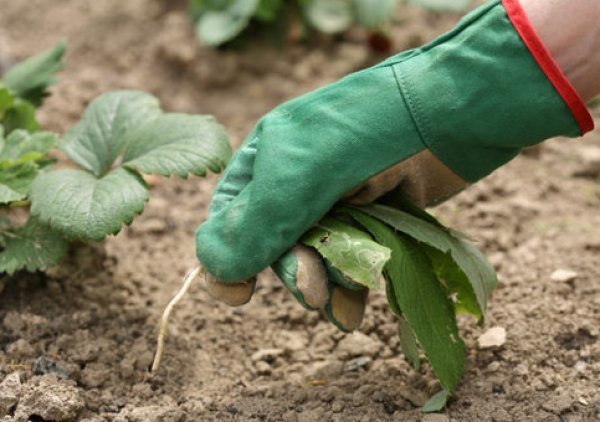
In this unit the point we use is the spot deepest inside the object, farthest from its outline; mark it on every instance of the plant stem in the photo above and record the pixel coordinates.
(164, 324)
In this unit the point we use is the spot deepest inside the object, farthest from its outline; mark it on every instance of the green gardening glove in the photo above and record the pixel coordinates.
(428, 121)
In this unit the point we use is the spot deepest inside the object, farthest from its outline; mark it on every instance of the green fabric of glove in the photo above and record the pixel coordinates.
(474, 97)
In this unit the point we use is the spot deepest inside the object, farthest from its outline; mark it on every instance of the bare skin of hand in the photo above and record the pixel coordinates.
(570, 30)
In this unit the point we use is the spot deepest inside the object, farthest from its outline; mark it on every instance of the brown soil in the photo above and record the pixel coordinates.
(75, 344)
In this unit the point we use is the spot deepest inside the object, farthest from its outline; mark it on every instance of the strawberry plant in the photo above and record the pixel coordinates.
(220, 21)
(23, 157)
(122, 135)
(24, 87)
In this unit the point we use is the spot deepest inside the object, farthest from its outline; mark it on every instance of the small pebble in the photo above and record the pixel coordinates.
(267, 355)
(337, 406)
(262, 368)
(493, 337)
(580, 366)
(10, 390)
(357, 363)
(563, 275)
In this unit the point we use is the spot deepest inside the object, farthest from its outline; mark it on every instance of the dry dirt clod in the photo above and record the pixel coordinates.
(493, 337)
(324, 370)
(415, 397)
(51, 399)
(10, 390)
(358, 344)
(435, 417)
(563, 275)
(164, 413)
(588, 161)
(266, 355)
(558, 404)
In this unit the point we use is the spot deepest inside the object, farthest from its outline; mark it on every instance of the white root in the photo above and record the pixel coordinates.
(164, 324)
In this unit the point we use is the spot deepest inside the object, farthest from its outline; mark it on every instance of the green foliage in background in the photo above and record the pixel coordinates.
(121, 135)
(220, 21)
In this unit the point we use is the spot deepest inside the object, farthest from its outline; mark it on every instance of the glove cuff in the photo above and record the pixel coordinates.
(483, 91)
(546, 62)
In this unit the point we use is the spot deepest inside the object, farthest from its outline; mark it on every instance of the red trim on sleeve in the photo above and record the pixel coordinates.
(528, 34)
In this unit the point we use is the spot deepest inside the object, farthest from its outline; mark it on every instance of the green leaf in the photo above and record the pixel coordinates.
(469, 259)
(408, 343)
(374, 13)
(178, 144)
(16, 181)
(350, 250)
(329, 16)
(31, 78)
(443, 5)
(455, 280)
(81, 205)
(33, 247)
(423, 301)
(20, 116)
(23, 147)
(391, 298)
(216, 27)
(6, 100)
(267, 10)
(197, 7)
(8, 195)
(436, 403)
(98, 139)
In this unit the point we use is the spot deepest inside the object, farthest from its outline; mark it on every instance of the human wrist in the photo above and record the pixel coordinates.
(575, 46)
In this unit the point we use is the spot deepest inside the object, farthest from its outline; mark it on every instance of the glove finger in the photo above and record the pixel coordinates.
(337, 277)
(232, 294)
(237, 174)
(302, 271)
(346, 307)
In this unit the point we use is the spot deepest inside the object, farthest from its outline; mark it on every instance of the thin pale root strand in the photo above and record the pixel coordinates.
(164, 324)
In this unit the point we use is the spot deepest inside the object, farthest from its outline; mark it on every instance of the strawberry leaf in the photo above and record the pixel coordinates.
(178, 144)
(216, 26)
(6, 100)
(329, 16)
(81, 205)
(443, 5)
(16, 181)
(23, 147)
(21, 115)
(100, 137)
(33, 246)
(31, 78)
(374, 13)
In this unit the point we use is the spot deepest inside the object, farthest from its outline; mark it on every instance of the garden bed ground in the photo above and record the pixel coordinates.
(79, 339)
